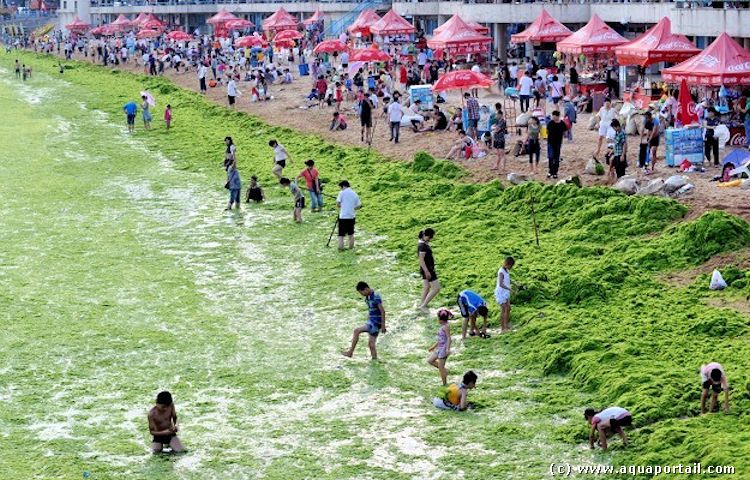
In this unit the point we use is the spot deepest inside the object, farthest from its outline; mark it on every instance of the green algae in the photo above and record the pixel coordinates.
(590, 311)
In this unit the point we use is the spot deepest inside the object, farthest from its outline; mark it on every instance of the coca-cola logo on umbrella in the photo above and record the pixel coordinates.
(600, 37)
(739, 67)
(708, 60)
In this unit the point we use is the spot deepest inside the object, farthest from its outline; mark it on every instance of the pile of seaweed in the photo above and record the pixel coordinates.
(590, 304)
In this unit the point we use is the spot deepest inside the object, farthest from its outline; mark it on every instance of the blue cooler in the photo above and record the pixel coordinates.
(304, 69)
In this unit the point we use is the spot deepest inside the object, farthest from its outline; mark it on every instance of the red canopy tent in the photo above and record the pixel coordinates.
(315, 18)
(364, 21)
(462, 80)
(120, 24)
(330, 46)
(724, 62)
(595, 37)
(221, 17)
(372, 54)
(459, 38)
(140, 18)
(544, 29)
(658, 44)
(281, 20)
(219, 22)
(139, 21)
(77, 26)
(392, 24)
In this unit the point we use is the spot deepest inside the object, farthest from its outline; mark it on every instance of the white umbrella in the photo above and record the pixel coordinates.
(149, 98)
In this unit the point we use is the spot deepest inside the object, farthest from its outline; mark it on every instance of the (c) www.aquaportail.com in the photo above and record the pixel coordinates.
(566, 469)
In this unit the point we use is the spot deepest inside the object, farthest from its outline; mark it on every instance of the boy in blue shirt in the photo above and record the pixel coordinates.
(471, 305)
(375, 321)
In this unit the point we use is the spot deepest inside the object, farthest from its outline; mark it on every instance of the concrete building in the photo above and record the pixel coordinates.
(503, 17)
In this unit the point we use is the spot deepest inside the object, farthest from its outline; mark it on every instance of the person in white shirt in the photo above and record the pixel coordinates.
(395, 113)
(348, 203)
(606, 115)
(280, 156)
(232, 92)
(202, 70)
(345, 60)
(513, 70)
(524, 92)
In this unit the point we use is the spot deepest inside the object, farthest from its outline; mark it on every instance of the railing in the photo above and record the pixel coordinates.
(151, 3)
(335, 28)
(714, 4)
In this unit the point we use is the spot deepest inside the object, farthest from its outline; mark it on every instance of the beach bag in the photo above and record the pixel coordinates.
(523, 119)
(717, 281)
(674, 183)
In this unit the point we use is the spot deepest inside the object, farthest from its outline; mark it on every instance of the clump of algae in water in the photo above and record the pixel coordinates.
(590, 307)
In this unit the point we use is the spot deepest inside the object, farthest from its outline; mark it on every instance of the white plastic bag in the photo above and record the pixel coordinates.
(717, 281)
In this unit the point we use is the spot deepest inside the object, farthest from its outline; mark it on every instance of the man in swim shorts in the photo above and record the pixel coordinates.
(162, 424)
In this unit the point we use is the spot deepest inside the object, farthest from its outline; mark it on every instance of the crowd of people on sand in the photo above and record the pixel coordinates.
(550, 97)
(376, 89)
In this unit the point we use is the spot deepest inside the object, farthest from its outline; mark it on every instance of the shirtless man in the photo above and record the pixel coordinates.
(162, 423)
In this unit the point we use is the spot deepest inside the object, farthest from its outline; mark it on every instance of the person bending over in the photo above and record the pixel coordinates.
(714, 378)
(612, 418)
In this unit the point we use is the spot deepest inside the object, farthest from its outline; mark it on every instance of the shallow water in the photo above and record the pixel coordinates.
(121, 276)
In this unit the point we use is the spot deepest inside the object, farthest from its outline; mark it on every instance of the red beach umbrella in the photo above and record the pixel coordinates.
(462, 80)
(249, 42)
(148, 33)
(372, 54)
(287, 35)
(179, 36)
(330, 46)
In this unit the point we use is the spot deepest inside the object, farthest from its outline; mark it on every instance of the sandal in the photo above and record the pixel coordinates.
(484, 335)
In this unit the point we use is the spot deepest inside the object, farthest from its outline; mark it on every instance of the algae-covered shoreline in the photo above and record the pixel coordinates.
(591, 307)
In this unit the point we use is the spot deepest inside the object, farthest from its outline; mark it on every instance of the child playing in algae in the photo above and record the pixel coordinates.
(456, 397)
(162, 424)
(613, 418)
(471, 305)
(442, 348)
(502, 293)
(714, 378)
(299, 198)
(375, 320)
(254, 191)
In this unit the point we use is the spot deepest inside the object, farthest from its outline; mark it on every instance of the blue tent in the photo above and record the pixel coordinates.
(736, 157)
